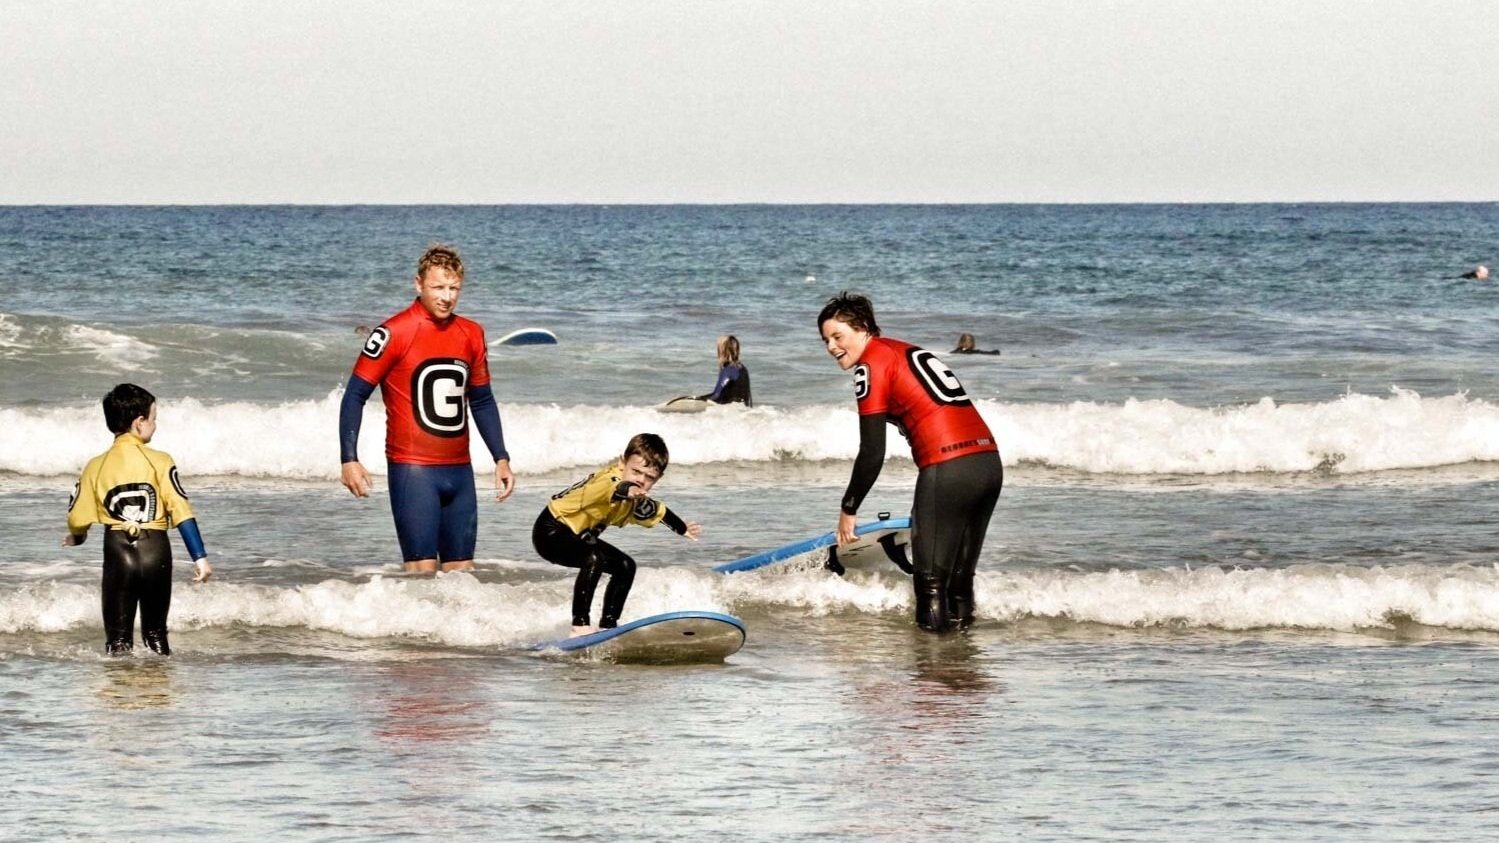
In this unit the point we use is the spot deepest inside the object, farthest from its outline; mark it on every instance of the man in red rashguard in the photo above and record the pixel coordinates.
(432, 367)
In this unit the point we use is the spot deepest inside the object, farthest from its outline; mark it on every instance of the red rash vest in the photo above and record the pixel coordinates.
(425, 367)
(923, 397)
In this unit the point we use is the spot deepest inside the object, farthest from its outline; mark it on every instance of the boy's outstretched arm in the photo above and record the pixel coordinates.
(690, 529)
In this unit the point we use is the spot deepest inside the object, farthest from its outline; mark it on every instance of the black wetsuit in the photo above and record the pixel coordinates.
(593, 558)
(949, 517)
(137, 569)
(567, 533)
(733, 386)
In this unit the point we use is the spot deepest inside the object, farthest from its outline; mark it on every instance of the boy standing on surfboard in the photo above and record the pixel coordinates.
(567, 530)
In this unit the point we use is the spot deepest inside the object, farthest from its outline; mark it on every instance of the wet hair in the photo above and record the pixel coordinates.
(728, 349)
(852, 309)
(651, 449)
(440, 256)
(965, 342)
(124, 404)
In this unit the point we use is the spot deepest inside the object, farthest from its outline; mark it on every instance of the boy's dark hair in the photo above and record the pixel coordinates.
(442, 257)
(124, 404)
(851, 308)
(650, 448)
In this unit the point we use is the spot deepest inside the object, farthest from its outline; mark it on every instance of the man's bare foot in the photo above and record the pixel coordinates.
(584, 630)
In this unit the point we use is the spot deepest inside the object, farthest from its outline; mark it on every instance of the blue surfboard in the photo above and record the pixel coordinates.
(885, 538)
(690, 636)
(528, 336)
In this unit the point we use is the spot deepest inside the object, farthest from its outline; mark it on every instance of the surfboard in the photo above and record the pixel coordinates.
(528, 336)
(683, 404)
(884, 539)
(675, 637)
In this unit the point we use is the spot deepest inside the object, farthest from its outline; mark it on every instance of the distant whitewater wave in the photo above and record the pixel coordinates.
(21, 337)
(297, 439)
(462, 611)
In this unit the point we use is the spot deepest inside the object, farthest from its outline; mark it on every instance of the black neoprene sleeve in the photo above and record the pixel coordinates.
(868, 463)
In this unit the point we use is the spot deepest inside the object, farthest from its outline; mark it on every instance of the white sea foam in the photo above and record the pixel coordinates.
(1313, 596)
(10, 332)
(452, 609)
(297, 439)
(117, 350)
(461, 611)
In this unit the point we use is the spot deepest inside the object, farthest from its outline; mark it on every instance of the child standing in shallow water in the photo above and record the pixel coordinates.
(135, 493)
(567, 530)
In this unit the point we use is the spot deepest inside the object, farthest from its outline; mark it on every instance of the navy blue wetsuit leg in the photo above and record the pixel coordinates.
(949, 519)
(436, 511)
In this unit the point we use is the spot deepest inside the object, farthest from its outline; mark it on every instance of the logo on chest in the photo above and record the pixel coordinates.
(438, 396)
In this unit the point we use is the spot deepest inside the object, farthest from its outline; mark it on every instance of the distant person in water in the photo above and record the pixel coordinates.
(733, 377)
(1479, 273)
(966, 346)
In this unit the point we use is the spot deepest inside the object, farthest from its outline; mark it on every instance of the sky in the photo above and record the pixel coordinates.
(776, 101)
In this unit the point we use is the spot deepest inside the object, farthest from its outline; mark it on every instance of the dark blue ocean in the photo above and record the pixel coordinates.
(1243, 580)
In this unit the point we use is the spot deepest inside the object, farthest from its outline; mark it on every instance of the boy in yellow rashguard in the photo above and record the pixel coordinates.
(567, 530)
(135, 493)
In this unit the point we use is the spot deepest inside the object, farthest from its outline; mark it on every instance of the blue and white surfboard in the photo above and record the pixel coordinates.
(528, 336)
(690, 636)
(885, 539)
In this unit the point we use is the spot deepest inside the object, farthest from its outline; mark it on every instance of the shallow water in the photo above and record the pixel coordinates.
(1243, 580)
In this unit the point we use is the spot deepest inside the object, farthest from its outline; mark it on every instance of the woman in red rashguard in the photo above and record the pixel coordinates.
(959, 473)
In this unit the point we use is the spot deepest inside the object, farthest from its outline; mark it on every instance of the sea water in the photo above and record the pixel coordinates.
(1243, 580)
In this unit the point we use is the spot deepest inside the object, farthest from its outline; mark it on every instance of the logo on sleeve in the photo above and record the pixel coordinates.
(645, 509)
(940, 383)
(374, 344)
(861, 381)
(73, 501)
(438, 388)
(177, 482)
(132, 503)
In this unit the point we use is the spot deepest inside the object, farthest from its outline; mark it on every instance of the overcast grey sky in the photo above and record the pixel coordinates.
(771, 101)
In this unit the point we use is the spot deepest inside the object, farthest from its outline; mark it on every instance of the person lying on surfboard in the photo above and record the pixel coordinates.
(567, 530)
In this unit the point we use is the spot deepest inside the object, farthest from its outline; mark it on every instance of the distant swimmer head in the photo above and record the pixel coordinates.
(1481, 273)
(846, 324)
(965, 342)
(728, 350)
(439, 280)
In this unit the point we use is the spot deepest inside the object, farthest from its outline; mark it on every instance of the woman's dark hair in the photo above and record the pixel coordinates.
(124, 404)
(850, 308)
